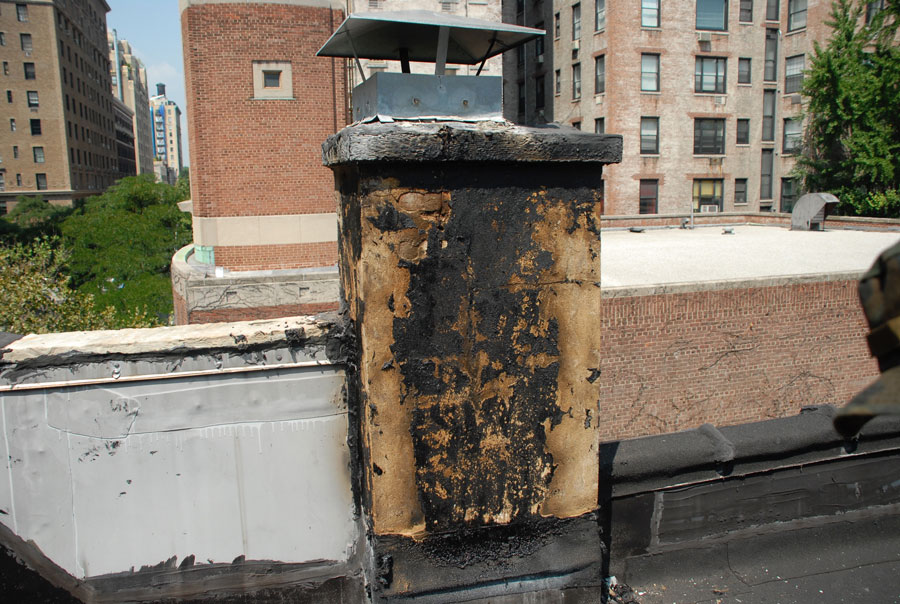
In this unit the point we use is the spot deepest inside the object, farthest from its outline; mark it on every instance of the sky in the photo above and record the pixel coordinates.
(153, 27)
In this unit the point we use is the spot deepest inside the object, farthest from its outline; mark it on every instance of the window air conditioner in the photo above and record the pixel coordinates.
(709, 209)
(576, 44)
(539, 59)
(704, 36)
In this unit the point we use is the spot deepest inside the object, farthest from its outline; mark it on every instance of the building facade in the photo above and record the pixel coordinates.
(166, 125)
(706, 94)
(125, 143)
(129, 85)
(58, 136)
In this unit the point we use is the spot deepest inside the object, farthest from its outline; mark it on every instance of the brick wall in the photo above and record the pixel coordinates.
(675, 361)
(266, 257)
(228, 315)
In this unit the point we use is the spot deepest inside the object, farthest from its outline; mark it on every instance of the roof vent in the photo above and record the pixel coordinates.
(810, 211)
(427, 37)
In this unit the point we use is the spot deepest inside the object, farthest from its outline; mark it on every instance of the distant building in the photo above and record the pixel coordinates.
(166, 123)
(129, 85)
(58, 136)
(125, 154)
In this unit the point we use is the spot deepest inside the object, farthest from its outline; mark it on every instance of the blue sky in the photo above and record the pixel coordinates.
(153, 27)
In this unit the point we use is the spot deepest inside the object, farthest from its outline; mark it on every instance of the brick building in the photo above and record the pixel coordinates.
(129, 85)
(705, 93)
(165, 122)
(260, 104)
(58, 139)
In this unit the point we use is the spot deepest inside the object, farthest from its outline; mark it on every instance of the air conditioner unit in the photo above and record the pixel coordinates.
(539, 59)
(720, 100)
(704, 36)
(709, 209)
(576, 44)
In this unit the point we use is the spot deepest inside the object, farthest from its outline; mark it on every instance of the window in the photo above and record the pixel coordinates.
(35, 127)
(649, 200)
(599, 125)
(576, 21)
(539, 41)
(796, 14)
(40, 181)
(38, 153)
(25, 41)
(5, 67)
(539, 92)
(557, 82)
(770, 73)
(650, 73)
(576, 81)
(15, 151)
(22, 12)
(792, 137)
(765, 179)
(556, 26)
(9, 96)
(709, 136)
(772, 10)
(3, 186)
(12, 124)
(32, 98)
(272, 80)
(576, 125)
(599, 15)
(709, 74)
(707, 192)
(743, 132)
(649, 13)
(649, 135)
(29, 71)
(793, 74)
(746, 12)
(521, 97)
(872, 9)
(712, 14)
(740, 190)
(600, 74)
(744, 70)
(788, 194)
(2, 39)
(768, 124)
(18, 180)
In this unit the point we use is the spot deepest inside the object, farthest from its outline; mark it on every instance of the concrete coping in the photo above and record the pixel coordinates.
(446, 141)
(711, 453)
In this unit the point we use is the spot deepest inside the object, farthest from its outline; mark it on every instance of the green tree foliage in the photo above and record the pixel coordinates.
(35, 296)
(852, 144)
(122, 243)
(33, 217)
(183, 184)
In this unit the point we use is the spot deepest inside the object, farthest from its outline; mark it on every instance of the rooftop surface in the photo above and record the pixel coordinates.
(672, 257)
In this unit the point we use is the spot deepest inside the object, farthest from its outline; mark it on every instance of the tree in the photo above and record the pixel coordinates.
(183, 184)
(35, 296)
(852, 140)
(33, 217)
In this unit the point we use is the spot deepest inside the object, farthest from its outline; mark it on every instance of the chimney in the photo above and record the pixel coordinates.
(160, 90)
(470, 269)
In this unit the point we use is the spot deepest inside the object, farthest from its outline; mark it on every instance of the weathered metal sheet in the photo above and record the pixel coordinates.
(405, 95)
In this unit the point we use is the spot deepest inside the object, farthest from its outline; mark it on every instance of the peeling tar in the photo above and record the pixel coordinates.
(389, 219)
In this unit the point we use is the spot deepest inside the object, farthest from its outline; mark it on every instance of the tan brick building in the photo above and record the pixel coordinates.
(58, 136)
(129, 85)
(706, 94)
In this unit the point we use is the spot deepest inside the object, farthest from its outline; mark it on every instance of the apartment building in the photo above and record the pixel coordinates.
(129, 85)
(705, 92)
(58, 135)
(166, 126)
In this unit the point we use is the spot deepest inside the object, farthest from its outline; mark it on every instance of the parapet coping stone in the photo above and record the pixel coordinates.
(468, 142)
(709, 453)
(630, 291)
(194, 271)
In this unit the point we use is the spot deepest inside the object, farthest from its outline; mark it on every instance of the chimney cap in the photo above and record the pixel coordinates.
(382, 35)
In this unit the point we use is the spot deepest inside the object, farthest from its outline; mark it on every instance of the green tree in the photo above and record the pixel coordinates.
(33, 217)
(35, 296)
(852, 141)
(183, 184)
(122, 244)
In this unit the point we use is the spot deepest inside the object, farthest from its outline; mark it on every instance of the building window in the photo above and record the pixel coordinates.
(272, 80)
(556, 26)
(32, 98)
(744, 70)
(599, 125)
(770, 73)
(740, 190)
(3, 186)
(793, 73)
(40, 181)
(557, 82)
(539, 92)
(743, 132)
(746, 12)
(708, 194)
(709, 74)
(649, 13)
(793, 135)
(788, 194)
(29, 71)
(872, 9)
(2, 39)
(765, 178)
(772, 10)
(768, 123)
(649, 197)
(15, 151)
(12, 124)
(712, 14)
(796, 14)
(650, 73)
(576, 125)
(38, 154)
(649, 135)
(35, 127)
(709, 136)
(521, 96)
(18, 180)
(600, 74)
(9, 96)
(5, 67)
(576, 21)
(22, 12)
(25, 41)
(576, 81)
(539, 42)
(599, 15)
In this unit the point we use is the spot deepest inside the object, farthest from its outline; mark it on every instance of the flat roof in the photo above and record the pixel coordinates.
(705, 258)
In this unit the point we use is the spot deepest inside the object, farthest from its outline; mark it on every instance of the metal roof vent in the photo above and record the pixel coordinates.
(428, 37)
(810, 211)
